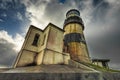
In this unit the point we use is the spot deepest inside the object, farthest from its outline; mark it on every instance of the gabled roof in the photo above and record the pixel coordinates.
(32, 26)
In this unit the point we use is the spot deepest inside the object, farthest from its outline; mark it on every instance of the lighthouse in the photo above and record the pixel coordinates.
(74, 40)
(54, 53)
(54, 45)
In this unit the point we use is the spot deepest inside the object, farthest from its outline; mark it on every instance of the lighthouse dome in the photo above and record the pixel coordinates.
(72, 12)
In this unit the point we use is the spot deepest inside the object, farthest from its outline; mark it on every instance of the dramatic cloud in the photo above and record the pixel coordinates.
(44, 11)
(9, 48)
(7, 53)
(1, 20)
(16, 41)
(19, 16)
(103, 31)
(4, 15)
(35, 11)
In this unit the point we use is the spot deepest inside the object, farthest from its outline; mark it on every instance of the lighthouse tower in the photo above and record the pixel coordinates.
(74, 40)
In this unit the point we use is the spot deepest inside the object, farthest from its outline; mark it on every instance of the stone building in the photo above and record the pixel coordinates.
(42, 47)
(54, 45)
(101, 62)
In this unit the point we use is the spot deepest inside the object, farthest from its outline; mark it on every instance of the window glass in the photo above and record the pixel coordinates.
(35, 41)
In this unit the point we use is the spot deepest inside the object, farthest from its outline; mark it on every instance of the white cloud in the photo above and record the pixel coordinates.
(36, 11)
(9, 48)
(17, 41)
(1, 20)
(3, 4)
(4, 35)
(19, 16)
(113, 2)
(4, 15)
(44, 11)
(3, 66)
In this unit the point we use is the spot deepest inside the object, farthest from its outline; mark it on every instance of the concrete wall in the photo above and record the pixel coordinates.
(55, 39)
(30, 38)
(39, 58)
(28, 50)
(44, 39)
(27, 58)
(52, 57)
(51, 50)
(98, 63)
(60, 76)
(66, 58)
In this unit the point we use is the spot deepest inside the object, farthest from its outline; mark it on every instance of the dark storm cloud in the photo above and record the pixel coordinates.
(7, 53)
(55, 10)
(51, 12)
(104, 41)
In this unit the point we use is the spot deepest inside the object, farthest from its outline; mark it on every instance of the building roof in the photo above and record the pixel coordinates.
(100, 60)
(32, 26)
(73, 10)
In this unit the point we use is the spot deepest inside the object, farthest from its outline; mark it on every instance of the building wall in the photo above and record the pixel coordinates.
(44, 39)
(73, 28)
(30, 38)
(84, 55)
(66, 58)
(52, 57)
(52, 47)
(26, 58)
(55, 39)
(28, 50)
(98, 63)
(39, 58)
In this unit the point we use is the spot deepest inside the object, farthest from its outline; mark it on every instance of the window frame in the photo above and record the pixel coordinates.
(36, 39)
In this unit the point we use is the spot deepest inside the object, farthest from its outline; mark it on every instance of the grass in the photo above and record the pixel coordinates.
(103, 69)
(99, 68)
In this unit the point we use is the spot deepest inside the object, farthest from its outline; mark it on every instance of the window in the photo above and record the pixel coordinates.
(36, 38)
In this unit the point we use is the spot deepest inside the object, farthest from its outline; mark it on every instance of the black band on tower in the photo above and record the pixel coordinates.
(73, 37)
(74, 19)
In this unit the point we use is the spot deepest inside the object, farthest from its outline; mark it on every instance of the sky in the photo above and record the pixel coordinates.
(101, 19)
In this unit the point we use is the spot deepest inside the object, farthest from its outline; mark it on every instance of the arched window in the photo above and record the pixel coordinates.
(35, 41)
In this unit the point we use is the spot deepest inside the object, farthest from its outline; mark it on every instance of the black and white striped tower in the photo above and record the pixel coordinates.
(74, 40)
